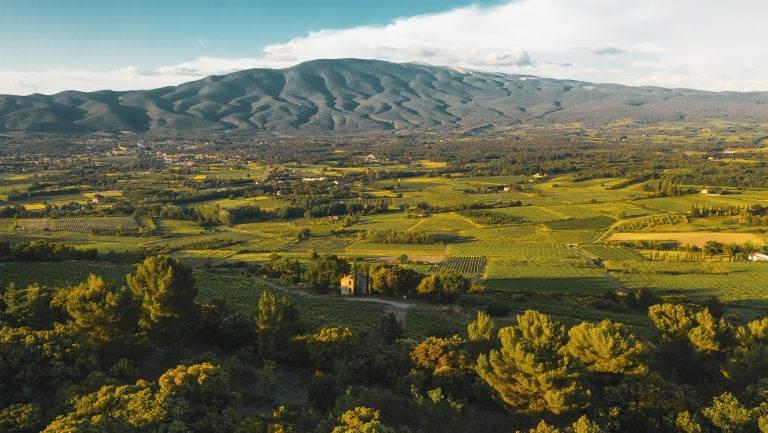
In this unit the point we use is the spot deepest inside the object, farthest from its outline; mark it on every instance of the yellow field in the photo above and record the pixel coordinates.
(426, 163)
(107, 193)
(691, 238)
(34, 206)
(180, 227)
(386, 194)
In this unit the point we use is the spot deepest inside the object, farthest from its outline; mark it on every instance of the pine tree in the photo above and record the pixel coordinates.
(104, 311)
(481, 329)
(528, 372)
(543, 427)
(727, 413)
(391, 328)
(748, 360)
(361, 420)
(606, 347)
(267, 322)
(167, 291)
(584, 425)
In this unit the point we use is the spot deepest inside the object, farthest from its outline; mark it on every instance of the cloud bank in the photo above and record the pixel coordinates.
(704, 44)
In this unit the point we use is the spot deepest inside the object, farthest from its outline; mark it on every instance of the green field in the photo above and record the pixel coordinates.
(470, 266)
(558, 236)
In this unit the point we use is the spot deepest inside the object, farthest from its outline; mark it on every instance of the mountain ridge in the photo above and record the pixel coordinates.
(355, 95)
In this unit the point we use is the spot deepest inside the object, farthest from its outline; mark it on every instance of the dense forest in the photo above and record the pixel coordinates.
(144, 355)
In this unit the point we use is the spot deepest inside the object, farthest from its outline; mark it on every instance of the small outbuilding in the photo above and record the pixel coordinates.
(355, 284)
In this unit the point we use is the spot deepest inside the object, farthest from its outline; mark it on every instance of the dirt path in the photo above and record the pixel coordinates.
(411, 228)
(398, 308)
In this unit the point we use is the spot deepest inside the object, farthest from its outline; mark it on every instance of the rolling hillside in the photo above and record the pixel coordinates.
(350, 95)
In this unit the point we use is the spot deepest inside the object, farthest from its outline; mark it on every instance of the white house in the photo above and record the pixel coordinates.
(758, 257)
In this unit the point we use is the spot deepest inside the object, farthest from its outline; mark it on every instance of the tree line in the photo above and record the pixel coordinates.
(322, 273)
(75, 360)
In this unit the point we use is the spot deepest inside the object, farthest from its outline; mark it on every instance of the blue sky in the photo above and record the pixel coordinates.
(47, 46)
(107, 34)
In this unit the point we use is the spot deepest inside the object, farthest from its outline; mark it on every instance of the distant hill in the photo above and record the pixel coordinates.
(350, 95)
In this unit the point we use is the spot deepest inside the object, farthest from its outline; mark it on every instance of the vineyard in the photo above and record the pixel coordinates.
(588, 223)
(489, 218)
(576, 211)
(432, 260)
(8, 225)
(551, 244)
(91, 224)
(463, 265)
(268, 244)
(321, 245)
(572, 277)
(531, 214)
(528, 251)
(731, 282)
(197, 257)
(605, 252)
(83, 225)
(33, 224)
(650, 221)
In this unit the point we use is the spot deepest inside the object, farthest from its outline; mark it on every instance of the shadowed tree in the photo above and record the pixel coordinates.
(748, 361)
(167, 291)
(324, 272)
(267, 322)
(29, 306)
(391, 328)
(694, 344)
(21, 418)
(103, 310)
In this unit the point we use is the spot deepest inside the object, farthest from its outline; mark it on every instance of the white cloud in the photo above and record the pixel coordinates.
(609, 51)
(707, 44)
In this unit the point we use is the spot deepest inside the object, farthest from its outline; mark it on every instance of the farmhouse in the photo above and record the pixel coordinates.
(758, 257)
(354, 284)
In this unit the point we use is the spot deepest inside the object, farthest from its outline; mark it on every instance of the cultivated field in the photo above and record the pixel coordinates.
(470, 266)
(553, 244)
(691, 238)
